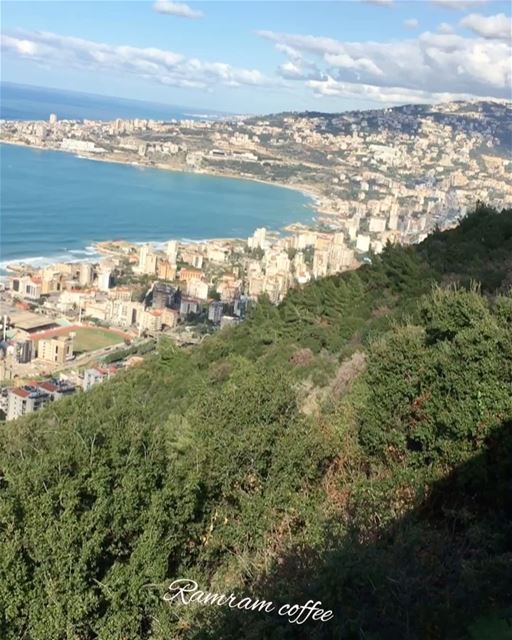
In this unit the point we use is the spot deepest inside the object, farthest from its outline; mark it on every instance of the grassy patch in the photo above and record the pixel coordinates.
(91, 339)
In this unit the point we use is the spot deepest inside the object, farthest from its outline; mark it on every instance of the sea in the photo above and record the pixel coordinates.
(55, 206)
(26, 102)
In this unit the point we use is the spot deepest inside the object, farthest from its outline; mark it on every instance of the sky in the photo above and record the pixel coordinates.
(261, 57)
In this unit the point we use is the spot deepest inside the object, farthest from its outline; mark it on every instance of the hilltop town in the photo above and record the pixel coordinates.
(391, 175)
(420, 165)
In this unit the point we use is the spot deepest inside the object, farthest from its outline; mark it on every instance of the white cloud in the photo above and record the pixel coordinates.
(498, 27)
(411, 23)
(157, 65)
(297, 67)
(176, 9)
(19, 46)
(432, 63)
(328, 87)
(444, 27)
(382, 3)
(458, 5)
(345, 61)
(300, 43)
(292, 71)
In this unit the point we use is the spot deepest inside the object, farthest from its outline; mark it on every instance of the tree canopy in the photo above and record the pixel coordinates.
(352, 445)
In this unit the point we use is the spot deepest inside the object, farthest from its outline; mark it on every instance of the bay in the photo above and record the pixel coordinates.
(54, 205)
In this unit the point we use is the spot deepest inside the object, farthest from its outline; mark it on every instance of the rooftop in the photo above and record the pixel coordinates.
(53, 386)
(29, 391)
(54, 333)
(29, 321)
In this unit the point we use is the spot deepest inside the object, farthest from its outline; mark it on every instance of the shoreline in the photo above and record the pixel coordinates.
(6, 266)
(306, 190)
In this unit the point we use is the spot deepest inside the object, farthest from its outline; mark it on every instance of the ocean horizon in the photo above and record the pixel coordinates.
(56, 205)
(28, 102)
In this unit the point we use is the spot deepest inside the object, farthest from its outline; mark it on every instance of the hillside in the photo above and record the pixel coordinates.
(352, 446)
(478, 116)
(420, 166)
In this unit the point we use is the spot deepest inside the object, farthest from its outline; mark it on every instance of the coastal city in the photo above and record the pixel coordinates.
(420, 164)
(376, 177)
(256, 320)
(59, 319)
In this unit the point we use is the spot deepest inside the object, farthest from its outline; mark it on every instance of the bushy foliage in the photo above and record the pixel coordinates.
(451, 377)
(263, 461)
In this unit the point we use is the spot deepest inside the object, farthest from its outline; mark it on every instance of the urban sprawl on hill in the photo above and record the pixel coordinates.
(377, 177)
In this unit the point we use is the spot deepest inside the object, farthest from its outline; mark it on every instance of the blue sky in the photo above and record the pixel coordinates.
(263, 56)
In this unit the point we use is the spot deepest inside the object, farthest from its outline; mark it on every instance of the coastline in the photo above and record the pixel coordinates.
(307, 191)
(12, 265)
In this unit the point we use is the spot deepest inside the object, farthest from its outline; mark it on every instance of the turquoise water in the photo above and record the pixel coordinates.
(55, 205)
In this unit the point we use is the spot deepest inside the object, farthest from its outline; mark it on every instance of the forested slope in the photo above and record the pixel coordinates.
(353, 445)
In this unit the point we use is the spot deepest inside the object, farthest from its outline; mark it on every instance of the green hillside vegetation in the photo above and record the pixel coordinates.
(353, 445)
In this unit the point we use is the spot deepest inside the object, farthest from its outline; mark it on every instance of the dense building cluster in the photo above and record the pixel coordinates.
(402, 170)
(391, 175)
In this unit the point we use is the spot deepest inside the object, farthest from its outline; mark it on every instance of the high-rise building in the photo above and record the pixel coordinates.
(151, 320)
(172, 251)
(392, 222)
(58, 349)
(86, 273)
(215, 311)
(147, 259)
(143, 254)
(376, 225)
(104, 279)
(165, 269)
(241, 306)
(124, 313)
(188, 305)
(170, 317)
(320, 263)
(26, 399)
(197, 289)
(258, 239)
(52, 119)
(162, 295)
(363, 243)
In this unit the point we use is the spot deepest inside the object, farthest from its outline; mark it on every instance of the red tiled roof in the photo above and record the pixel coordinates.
(22, 393)
(106, 370)
(47, 386)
